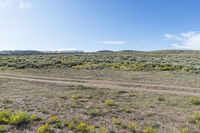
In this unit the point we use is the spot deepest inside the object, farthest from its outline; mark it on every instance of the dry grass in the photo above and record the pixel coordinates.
(65, 108)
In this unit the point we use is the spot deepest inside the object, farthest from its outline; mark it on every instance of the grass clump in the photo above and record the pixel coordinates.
(5, 117)
(71, 124)
(94, 112)
(184, 130)
(5, 100)
(81, 127)
(195, 101)
(35, 117)
(85, 128)
(133, 126)
(116, 121)
(161, 99)
(195, 119)
(127, 110)
(150, 130)
(102, 130)
(109, 102)
(76, 97)
(3, 128)
(55, 120)
(20, 118)
(44, 129)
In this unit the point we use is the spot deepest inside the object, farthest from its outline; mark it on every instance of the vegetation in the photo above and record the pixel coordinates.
(109, 102)
(3, 128)
(127, 92)
(195, 101)
(20, 118)
(133, 127)
(184, 130)
(95, 111)
(182, 61)
(44, 129)
(195, 119)
(150, 130)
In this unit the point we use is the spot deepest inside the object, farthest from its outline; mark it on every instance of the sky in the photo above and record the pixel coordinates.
(93, 25)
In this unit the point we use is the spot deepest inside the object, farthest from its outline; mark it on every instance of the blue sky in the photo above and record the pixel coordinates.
(92, 25)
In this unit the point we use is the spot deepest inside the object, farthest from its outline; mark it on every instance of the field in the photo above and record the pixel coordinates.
(105, 92)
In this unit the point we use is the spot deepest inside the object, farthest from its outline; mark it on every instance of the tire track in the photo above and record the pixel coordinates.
(160, 89)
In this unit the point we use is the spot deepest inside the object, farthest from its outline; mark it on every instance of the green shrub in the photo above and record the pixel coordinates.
(184, 130)
(71, 124)
(3, 128)
(102, 130)
(94, 112)
(5, 117)
(126, 109)
(91, 129)
(195, 101)
(20, 118)
(150, 130)
(76, 97)
(35, 117)
(44, 129)
(81, 127)
(161, 99)
(195, 119)
(84, 128)
(116, 121)
(5, 100)
(55, 120)
(109, 102)
(133, 126)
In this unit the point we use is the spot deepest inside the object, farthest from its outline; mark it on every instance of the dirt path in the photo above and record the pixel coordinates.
(160, 89)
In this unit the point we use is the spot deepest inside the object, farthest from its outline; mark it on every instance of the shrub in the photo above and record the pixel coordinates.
(76, 97)
(196, 119)
(109, 103)
(56, 121)
(184, 130)
(20, 118)
(71, 124)
(53, 120)
(91, 129)
(3, 128)
(150, 130)
(116, 121)
(127, 110)
(35, 117)
(132, 126)
(5, 117)
(5, 100)
(102, 130)
(81, 127)
(93, 112)
(84, 128)
(195, 101)
(161, 99)
(44, 129)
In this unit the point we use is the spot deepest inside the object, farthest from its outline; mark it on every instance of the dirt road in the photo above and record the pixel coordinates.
(160, 89)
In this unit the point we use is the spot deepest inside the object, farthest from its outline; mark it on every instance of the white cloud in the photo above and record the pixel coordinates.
(21, 4)
(24, 5)
(188, 40)
(4, 4)
(112, 42)
(66, 49)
